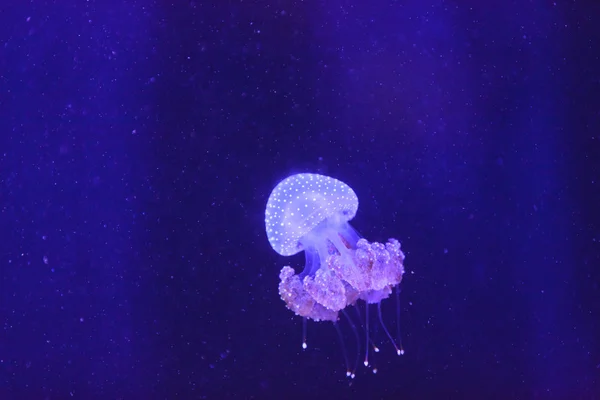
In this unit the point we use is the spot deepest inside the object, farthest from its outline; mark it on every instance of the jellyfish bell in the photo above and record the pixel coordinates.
(310, 213)
(300, 203)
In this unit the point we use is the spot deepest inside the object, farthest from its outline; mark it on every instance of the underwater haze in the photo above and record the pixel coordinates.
(446, 247)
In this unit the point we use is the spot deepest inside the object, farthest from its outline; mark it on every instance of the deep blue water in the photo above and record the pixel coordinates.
(139, 142)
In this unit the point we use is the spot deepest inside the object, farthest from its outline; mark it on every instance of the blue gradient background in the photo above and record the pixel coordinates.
(139, 142)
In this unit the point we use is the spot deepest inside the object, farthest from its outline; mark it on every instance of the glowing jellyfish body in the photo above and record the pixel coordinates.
(310, 213)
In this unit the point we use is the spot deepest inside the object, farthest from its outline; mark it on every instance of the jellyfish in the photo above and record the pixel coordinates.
(311, 213)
